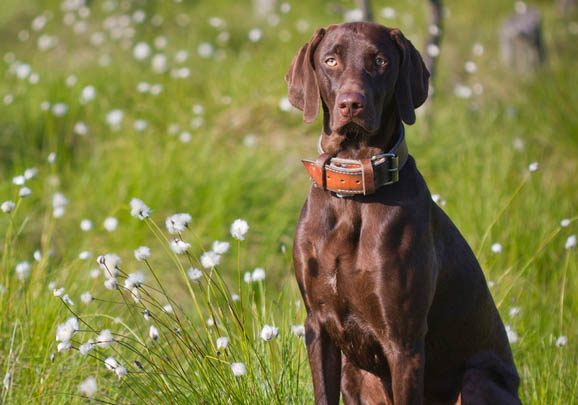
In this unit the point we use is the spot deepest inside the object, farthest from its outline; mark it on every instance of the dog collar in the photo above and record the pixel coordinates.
(349, 177)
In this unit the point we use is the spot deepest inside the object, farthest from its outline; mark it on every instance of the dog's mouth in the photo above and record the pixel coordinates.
(353, 130)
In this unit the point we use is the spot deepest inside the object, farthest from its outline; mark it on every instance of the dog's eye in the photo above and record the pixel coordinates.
(379, 61)
(331, 62)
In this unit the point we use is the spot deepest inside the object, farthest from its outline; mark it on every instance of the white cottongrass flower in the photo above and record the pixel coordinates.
(198, 109)
(139, 209)
(160, 42)
(22, 70)
(168, 308)
(185, 137)
(205, 50)
(478, 49)
(58, 292)
(86, 225)
(534, 166)
(570, 242)
(146, 314)
(86, 297)
(156, 89)
(94, 273)
(134, 280)
(30, 173)
(269, 332)
(239, 229)
(355, 14)
(181, 56)
(247, 277)
(470, 66)
(238, 369)
(52, 286)
(258, 274)
(235, 297)
(142, 253)
(110, 363)
(109, 264)
(67, 300)
(7, 206)
(153, 332)
(24, 192)
(561, 341)
(462, 91)
(37, 255)
(80, 128)
(514, 311)
(7, 380)
(433, 50)
(222, 342)
(114, 118)
(298, 330)
(110, 224)
(285, 104)
(86, 347)
(512, 335)
(388, 12)
(220, 247)
(194, 274)
(179, 246)
(210, 259)
(520, 7)
(51, 158)
(141, 51)
(178, 222)
(104, 339)
(135, 294)
(88, 387)
(255, 35)
(59, 203)
(497, 248)
(59, 109)
(565, 222)
(63, 346)
(140, 125)
(88, 93)
(84, 255)
(22, 270)
(19, 180)
(120, 372)
(159, 63)
(110, 283)
(210, 322)
(66, 330)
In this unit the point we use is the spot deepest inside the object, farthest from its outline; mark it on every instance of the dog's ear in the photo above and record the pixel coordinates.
(302, 81)
(413, 80)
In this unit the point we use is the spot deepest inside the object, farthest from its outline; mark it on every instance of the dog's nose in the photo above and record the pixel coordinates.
(350, 104)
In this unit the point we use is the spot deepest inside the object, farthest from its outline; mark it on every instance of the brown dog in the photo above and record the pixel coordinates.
(398, 310)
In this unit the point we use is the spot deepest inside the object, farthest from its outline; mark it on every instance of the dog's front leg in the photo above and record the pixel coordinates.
(325, 360)
(406, 364)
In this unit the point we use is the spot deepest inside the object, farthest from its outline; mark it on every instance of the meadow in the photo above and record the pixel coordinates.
(116, 115)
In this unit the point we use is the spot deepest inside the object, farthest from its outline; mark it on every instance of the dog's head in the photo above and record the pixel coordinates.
(358, 70)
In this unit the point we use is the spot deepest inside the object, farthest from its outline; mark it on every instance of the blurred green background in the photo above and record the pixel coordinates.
(206, 129)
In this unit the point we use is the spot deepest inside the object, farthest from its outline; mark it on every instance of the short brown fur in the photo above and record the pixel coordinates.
(398, 309)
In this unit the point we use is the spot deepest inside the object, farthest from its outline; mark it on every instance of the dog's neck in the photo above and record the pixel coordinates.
(362, 145)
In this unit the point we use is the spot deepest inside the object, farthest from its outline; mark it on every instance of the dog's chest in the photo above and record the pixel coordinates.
(343, 286)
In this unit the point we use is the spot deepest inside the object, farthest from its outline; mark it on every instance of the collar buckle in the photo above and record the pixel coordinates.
(393, 169)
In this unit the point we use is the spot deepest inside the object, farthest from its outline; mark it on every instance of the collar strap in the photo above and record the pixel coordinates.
(348, 177)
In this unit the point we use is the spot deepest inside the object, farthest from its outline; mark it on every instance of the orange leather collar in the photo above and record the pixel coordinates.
(348, 177)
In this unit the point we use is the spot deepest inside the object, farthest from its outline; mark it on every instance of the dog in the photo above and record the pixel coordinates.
(398, 309)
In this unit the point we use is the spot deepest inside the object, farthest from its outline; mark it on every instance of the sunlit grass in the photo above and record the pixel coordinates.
(240, 159)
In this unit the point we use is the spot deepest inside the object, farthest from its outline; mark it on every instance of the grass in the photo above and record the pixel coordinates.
(243, 162)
